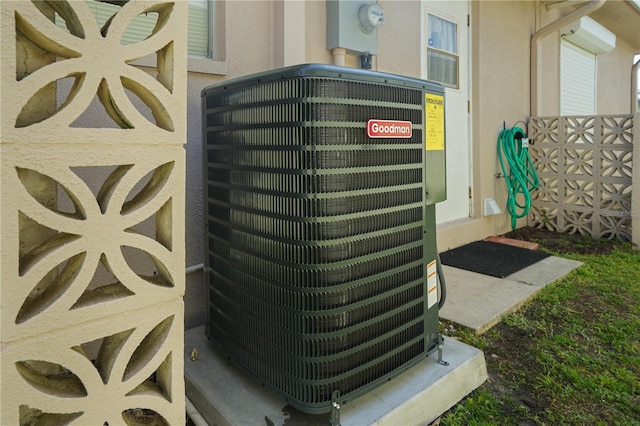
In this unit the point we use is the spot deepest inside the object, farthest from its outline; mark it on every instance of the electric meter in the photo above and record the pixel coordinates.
(370, 17)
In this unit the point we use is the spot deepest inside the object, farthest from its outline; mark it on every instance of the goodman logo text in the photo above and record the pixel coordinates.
(389, 129)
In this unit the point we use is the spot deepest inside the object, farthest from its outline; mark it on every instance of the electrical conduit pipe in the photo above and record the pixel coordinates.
(194, 268)
(536, 50)
(194, 414)
(634, 87)
(339, 56)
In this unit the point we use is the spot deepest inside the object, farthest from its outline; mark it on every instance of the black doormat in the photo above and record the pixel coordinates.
(488, 258)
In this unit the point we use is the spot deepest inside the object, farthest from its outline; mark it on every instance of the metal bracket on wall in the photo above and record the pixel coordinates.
(335, 408)
(440, 346)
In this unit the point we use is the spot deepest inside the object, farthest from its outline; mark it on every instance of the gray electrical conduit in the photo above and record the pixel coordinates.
(443, 284)
(194, 268)
(194, 414)
(634, 87)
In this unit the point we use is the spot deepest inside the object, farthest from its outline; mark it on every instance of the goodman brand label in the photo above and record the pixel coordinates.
(389, 129)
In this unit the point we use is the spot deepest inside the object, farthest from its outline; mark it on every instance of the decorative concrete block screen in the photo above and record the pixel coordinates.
(92, 195)
(585, 170)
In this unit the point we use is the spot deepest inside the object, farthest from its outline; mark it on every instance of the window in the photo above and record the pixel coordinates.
(442, 51)
(200, 35)
(200, 40)
(578, 71)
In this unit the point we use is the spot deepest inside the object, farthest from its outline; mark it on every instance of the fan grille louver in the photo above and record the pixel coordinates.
(316, 234)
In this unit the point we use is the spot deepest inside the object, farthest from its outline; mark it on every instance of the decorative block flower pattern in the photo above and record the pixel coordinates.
(98, 65)
(92, 213)
(585, 170)
(130, 372)
(112, 242)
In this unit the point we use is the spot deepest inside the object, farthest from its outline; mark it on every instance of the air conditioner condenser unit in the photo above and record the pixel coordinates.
(319, 192)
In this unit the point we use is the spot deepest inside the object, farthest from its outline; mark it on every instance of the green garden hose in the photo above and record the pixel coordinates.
(521, 177)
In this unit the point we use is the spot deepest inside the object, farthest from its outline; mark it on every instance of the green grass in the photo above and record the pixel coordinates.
(570, 357)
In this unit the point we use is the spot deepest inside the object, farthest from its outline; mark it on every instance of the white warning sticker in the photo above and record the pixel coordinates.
(432, 284)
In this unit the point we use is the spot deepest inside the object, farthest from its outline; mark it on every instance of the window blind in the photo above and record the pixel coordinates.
(442, 51)
(141, 27)
(578, 69)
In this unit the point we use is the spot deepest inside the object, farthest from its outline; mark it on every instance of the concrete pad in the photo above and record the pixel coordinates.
(225, 395)
(424, 392)
(545, 271)
(479, 301)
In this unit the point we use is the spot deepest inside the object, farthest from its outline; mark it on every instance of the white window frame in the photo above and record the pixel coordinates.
(214, 62)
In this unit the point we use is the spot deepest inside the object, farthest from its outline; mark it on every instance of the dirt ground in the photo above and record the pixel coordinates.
(564, 243)
(513, 352)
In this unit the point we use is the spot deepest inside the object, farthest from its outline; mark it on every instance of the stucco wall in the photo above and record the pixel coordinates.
(500, 94)
(248, 42)
(614, 79)
(550, 75)
(316, 33)
(501, 32)
(399, 38)
(613, 70)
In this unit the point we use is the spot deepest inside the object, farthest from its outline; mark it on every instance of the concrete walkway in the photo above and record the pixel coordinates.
(479, 301)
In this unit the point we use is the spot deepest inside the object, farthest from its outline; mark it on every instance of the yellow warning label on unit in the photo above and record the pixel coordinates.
(434, 122)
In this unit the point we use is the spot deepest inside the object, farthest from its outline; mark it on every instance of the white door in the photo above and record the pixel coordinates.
(445, 59)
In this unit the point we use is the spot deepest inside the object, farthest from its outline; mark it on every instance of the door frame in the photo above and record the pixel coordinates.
(428, 7)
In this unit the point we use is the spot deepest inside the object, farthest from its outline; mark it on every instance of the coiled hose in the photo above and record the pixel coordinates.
(521, 177)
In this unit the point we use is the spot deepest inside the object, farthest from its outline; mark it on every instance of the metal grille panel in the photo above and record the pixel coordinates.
(316, 239)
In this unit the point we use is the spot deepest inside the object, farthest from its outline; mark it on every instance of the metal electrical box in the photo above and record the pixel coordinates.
(345, 26)
(320, 227)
